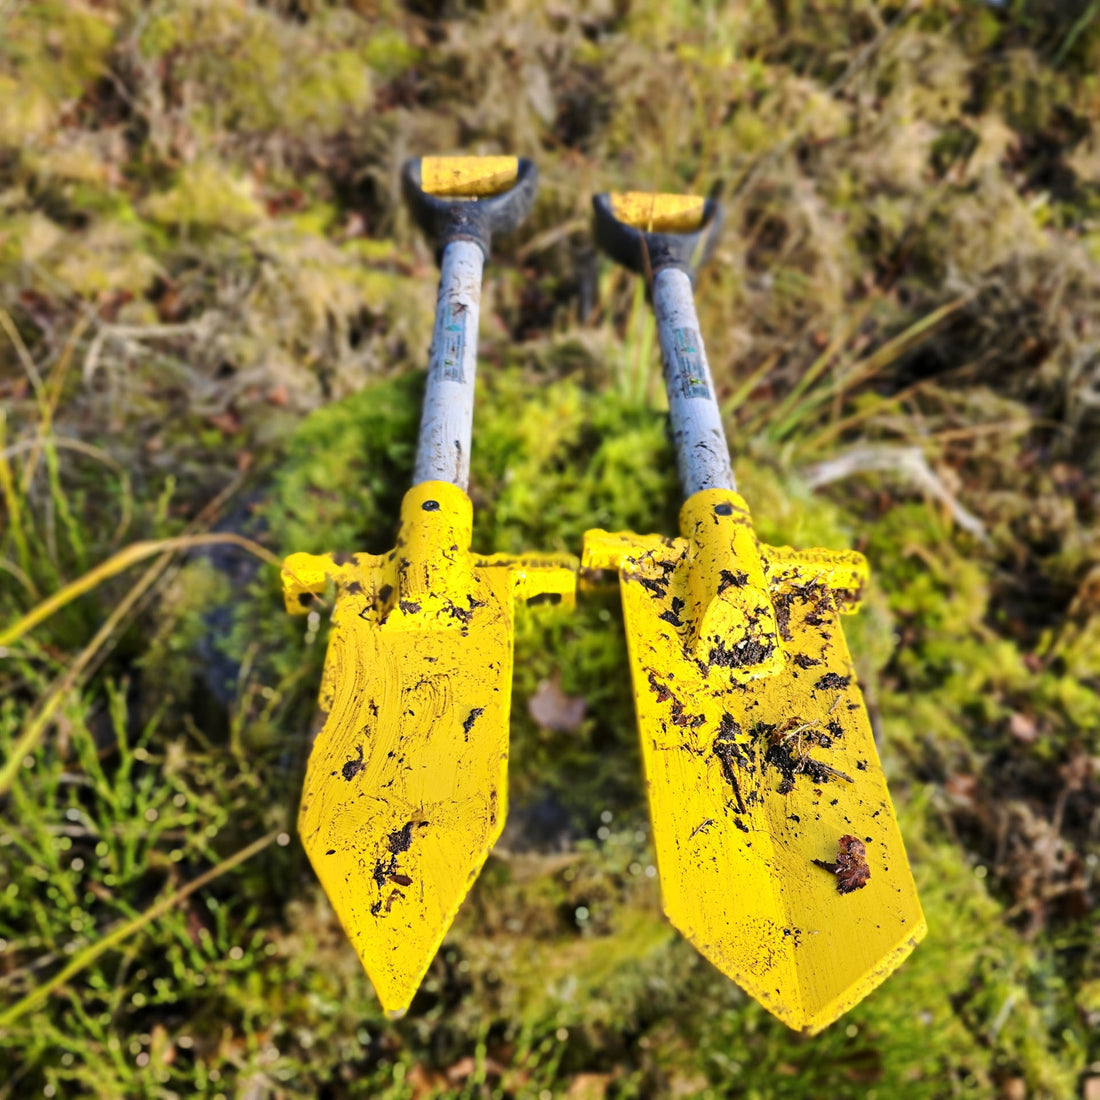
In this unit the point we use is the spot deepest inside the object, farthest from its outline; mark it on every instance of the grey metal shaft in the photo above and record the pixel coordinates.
(702, 453)
(446, 422)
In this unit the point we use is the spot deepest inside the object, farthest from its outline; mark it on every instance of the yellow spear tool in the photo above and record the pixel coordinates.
(779, 853)
(406, 785)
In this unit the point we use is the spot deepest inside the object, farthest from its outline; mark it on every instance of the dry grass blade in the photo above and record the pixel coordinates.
(910, 463)
(8, 325)
(550, 237)
(36, 727)
(51, 396)
(745, 390)
(166, 548)
(12, 502)
(821, 363)
(903, 342)
(121, 561)
(63, 443)
(123, 932)
(867, 368)
(8, 566)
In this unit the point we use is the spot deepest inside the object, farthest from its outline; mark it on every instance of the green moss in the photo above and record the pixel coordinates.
(389, 53)
(108, 257)
(256, 72)
(345, 472)
(206, 196)
(568, 461)
(50, 52)
(331, 86)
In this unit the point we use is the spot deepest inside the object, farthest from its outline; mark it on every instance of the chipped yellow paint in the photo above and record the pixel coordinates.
(406, 786)
(467, 176)
(658, 213)
(759, 758)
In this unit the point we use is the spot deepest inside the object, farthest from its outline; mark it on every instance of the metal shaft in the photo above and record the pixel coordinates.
(446, 422)
(702, 453)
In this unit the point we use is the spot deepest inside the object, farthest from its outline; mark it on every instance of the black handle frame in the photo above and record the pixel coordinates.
(445, 219)
(646, 252)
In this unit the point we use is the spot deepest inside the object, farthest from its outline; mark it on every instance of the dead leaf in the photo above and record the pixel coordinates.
(228, 422)
(851, 868)
(465, 1067)
(589, 1086)
(540, 95)
(553, 709)
(424, 1082)
(962, 788)
(1077, 771)
(1023, 728)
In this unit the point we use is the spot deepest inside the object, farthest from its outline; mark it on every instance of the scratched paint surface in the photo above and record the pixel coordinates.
(754, 779)
(406, 785)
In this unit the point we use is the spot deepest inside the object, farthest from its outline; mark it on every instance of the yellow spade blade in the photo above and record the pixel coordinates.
(406, 786)
(777, 845)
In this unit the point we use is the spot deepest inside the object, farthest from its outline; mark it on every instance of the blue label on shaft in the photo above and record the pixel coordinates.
(692, 379)
(451, 348)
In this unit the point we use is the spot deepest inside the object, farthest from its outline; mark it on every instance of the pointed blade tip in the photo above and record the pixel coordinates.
(792, 1011)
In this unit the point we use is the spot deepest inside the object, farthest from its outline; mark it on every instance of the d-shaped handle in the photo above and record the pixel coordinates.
(468, 198)
(647, 232)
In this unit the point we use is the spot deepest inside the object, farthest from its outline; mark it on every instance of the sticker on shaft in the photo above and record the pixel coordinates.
(692, 381)
(450, 345)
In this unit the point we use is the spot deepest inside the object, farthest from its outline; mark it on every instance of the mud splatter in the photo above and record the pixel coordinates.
(782, 605)
(400, 840)
(754, 650)
(353, 767)
(729, 753)
(678, 715)
(788, 752)
(462, 614)
(672, 616)
(729, 579)
(683, 720)
(658, 688)
(382, 871)
(471, 718)
(658, 588)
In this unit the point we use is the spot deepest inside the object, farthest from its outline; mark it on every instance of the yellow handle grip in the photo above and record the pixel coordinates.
(468, 176)
(658, 213)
